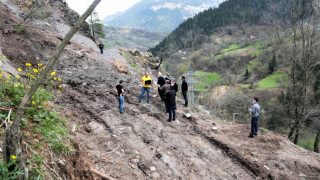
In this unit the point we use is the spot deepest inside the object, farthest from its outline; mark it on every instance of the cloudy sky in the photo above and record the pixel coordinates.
(105, 8)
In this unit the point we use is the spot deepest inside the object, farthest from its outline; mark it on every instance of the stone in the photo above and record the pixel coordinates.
(155, 175)
(135, 160)
(152, 168)
(214, 128)
(61, 162)
(301, 175)
(188, 115)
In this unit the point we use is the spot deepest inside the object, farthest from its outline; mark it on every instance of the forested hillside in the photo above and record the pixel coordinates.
(195, 31)
(262, 48)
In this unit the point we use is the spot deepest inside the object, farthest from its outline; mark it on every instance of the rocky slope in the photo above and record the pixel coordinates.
(140, 144)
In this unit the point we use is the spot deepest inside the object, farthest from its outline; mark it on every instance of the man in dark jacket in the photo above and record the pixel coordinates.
(120, 91)
(174, 84)
(171, 102)
(184, 89)
(101, 46)
(161, 81)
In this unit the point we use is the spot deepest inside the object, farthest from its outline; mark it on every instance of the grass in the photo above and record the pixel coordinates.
(307, 143)
(253, 64)
(234, 48)
(272, 81)
(246, 86)
(206, 79)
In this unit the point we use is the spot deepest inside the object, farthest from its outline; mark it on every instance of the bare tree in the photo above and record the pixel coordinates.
(13, 141)
(302, 54)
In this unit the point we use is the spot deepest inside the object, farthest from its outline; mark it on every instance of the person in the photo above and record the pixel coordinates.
(174, 84)
(101, 46)
(254, 111)
(184, 89)
(164, 89)
(170, 97)
(146, 84)
(161, 81)
(120, 92)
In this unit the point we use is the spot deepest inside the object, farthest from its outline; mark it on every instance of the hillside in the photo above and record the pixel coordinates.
(244, 49)
(159, 16)
(121, 37)
(73, 129)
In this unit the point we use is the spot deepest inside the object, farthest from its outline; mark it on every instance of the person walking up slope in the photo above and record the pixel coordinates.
(146, 84)
(254, 111)
(184, 89)
(119, 89)
(101, 46)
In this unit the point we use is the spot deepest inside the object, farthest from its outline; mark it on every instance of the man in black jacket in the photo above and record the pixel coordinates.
(184, 89)
(161, 81)
(101, 46)
(171, 102)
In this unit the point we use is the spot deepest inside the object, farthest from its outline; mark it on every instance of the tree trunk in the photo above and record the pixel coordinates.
(296, 137)
(12, 143)
(316, 143)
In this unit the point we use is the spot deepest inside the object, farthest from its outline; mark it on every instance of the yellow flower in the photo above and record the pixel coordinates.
(22, 85)
(1, 75)
(60, 86)
(7, 81)
(15, 85)
(3, 56)
(17, 77)
(44, 67)
(33, 102)
(14, 157)
(59, 79)
(55, 78)
(0, 69)
(58, 92)
(8, 78)
(42, 89)
(53, 73)
(28, 64)
(32, 76)
(40, 64)
(29, 87)
(19, 69)
(35, 70)
(9, 75)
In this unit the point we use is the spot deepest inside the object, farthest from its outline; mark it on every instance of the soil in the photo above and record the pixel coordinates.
(140, 144)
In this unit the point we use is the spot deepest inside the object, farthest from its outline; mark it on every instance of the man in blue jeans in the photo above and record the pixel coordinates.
(119, 89)
(254, 111)
(146, 85)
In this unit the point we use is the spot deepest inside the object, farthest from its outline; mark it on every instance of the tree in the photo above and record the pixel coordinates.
(302, 53)
(246, 75)
(96, 27)
(272, 64)
(13, 140)
(316, 143)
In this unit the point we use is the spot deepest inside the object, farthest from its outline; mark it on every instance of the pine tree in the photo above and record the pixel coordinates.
(272, 64)
(97, 31)
(247, 75)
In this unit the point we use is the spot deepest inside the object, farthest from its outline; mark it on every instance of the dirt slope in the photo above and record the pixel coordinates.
(140, 144)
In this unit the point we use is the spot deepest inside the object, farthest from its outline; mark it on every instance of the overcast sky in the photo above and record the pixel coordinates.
(105, 7)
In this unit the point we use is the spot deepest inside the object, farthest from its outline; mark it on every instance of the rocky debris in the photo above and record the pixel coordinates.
(214, 128)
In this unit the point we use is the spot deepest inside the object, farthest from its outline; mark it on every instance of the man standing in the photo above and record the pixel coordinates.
(161, 81)
(174, 84)
(254, 111)
(184, 89)
(165, 88)
(101, 46)
(119, 89)
(171, 102)
(146, 84)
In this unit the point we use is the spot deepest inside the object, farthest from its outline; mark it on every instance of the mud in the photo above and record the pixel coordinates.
(140, 144)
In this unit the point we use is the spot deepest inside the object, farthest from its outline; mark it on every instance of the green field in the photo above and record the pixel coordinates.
(307, 143)
(272, 81)
(234, 48)
(205, 79)
(253, 64)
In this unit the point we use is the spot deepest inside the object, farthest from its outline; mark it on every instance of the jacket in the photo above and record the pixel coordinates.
(170, 97)
(184, 86)
(255, 110)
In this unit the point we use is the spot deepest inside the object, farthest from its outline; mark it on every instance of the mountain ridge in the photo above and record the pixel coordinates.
(159, 16)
